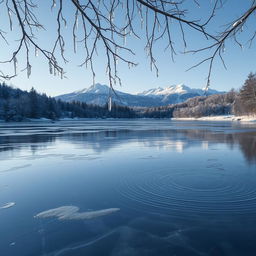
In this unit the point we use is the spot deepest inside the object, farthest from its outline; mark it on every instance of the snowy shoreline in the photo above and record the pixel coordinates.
(226, 118)
(222, 118)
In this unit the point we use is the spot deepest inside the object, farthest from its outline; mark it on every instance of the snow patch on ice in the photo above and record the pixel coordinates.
(7, 205)
(72, 213)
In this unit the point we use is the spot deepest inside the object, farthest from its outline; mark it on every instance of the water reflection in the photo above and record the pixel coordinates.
(127, 188)
(176, 137)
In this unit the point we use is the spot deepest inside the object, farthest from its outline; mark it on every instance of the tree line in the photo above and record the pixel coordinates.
(19, 105)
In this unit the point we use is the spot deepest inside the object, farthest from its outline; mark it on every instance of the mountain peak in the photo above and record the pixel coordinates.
(95, 88)
(98, 88)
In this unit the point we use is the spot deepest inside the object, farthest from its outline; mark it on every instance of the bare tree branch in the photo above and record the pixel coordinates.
(107, 24)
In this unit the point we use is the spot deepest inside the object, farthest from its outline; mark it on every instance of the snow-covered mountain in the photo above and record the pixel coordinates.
(175, 89)
(99, 94)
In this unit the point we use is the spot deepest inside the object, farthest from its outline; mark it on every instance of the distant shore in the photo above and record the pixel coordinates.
(229, 118)
(222, 118)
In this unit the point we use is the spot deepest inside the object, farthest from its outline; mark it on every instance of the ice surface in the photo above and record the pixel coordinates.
(71, 213)
(82, 245)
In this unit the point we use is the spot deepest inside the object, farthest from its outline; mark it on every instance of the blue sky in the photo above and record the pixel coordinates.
(239, 62)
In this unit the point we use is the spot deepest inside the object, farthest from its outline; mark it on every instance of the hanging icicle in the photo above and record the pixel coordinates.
(15, 64)
(61, 73)
(50, 68)
(10, 18)
(74, 43)
(141, 23)
(110, 103)
(28, 69)
(93, 79)
(76, 22)
(54, 69)
(36, 51)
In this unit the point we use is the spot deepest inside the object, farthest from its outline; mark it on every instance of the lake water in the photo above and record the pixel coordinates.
(139, 187)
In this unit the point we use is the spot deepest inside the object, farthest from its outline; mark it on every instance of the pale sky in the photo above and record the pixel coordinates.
(239, 62)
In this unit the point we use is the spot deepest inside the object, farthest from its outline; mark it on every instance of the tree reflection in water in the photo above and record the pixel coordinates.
(103, 137)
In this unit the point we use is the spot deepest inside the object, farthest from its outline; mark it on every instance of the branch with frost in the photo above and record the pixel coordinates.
(231, 31)
(108, 25)
(23, 13)
(99, 27)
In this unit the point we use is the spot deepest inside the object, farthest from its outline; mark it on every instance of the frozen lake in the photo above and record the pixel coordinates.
(138, 187)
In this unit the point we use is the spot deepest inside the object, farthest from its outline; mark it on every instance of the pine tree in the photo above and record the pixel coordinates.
(33, 100)
(247, 94)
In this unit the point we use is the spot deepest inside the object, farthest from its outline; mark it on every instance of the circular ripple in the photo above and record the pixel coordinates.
(189, 191)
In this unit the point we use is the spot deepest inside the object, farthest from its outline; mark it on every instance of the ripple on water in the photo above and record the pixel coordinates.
(189, 191)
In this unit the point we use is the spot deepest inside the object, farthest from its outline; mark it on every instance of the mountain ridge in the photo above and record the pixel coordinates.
(99, 94)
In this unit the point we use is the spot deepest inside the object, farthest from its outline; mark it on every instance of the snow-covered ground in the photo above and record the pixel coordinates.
(220, 118)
